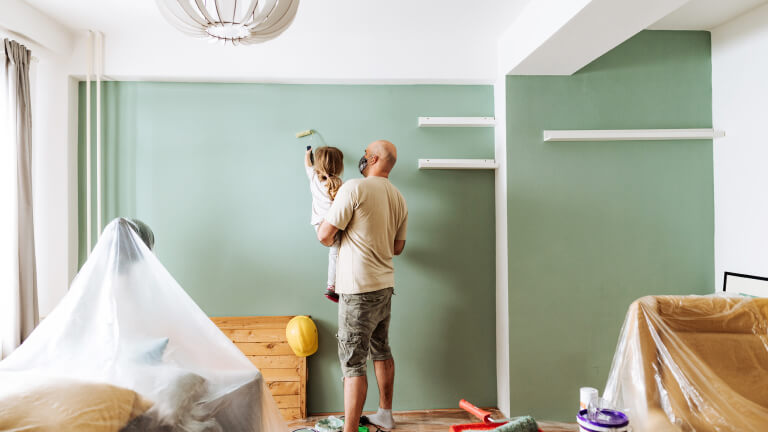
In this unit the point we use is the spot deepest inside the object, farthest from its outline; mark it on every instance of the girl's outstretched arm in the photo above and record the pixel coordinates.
(307, 156)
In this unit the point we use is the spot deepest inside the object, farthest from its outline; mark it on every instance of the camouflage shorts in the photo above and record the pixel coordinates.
(363, 330)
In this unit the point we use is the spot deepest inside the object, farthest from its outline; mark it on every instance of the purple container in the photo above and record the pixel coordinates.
(610, 421)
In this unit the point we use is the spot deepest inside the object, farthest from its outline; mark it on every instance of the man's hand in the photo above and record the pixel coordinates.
(327, 233)
(399, 246)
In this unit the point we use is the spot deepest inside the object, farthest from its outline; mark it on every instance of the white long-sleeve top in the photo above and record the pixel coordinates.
(321, 201)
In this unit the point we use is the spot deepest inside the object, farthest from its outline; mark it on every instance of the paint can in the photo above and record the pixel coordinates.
(605, 420)
(586, 394)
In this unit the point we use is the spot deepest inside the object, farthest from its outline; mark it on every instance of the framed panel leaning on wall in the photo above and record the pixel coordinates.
(745, 285)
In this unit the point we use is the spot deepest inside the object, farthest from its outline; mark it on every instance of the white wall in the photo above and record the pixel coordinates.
(168, 55)
(559, 37)
(51, 170)
(502, 261)
(24, 22)
(740, 107)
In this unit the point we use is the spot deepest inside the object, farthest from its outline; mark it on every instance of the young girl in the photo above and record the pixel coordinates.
(324, 182)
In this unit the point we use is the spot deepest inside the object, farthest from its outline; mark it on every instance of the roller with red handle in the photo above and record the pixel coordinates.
(521, 424)
(482, 414)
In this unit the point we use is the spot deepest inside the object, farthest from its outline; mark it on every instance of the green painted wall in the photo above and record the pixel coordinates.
(216, 171)
(595, 225)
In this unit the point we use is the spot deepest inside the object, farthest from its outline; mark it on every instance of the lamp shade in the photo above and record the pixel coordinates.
(235, 21)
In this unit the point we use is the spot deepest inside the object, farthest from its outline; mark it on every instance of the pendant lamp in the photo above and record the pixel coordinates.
(234, 21)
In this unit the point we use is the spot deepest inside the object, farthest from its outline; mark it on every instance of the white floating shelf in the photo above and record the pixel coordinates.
(632, 135)
(457, 121)
(465, 164)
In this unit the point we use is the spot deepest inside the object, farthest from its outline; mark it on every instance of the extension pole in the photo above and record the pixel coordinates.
(88, 145)
(99, 62)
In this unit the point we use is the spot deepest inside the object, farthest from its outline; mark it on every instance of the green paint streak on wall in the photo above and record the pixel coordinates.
(216, 171)
(595, 225)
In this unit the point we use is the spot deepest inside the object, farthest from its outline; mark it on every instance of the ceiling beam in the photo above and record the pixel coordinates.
(21, 21)
(559, 37)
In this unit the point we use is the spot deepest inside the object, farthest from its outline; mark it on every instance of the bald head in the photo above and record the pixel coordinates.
(387, 156)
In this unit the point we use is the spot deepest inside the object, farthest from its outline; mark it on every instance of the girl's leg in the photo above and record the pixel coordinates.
(333, 254)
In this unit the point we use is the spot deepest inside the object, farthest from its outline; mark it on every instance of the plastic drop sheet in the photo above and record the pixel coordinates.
(692, 363)
(128, 350)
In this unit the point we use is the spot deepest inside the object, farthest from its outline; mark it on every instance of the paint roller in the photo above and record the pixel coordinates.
(302, 134)
(520, 424)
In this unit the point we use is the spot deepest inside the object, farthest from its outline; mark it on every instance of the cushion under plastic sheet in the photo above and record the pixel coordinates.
(38, 403)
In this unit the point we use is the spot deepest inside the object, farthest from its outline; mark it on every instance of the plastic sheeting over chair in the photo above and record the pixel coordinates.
(126, 322)
(693, 364)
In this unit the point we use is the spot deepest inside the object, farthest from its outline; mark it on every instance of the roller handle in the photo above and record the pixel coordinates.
(484, 415)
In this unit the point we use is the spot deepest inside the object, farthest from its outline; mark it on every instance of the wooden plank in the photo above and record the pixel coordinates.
(256, 335)
(290, 413)
(251, 322)
(276, 362)
(264, 348)
(303, 387)
(288, 401)
(256, 325)
(263, 341)
(252, 319)
(283, 388)
(291, 375)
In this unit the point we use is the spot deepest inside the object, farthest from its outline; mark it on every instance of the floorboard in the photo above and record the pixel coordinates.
(433, 421)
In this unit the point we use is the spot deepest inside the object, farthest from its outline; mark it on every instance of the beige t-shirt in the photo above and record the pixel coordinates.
(372, 214)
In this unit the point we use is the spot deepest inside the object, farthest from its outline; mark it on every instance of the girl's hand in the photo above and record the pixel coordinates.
(308, 158)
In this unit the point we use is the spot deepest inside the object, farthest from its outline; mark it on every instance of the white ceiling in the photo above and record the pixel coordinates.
(705, 14)
(371, 19)
(405, 20)
(346, 41)
(442, 41)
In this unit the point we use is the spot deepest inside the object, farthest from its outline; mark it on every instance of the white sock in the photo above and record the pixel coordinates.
(383, 418)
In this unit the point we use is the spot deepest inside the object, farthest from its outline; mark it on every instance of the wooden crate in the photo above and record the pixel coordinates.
(262, 340)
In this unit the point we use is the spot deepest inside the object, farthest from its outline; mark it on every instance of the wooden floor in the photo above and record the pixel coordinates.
(433, 421)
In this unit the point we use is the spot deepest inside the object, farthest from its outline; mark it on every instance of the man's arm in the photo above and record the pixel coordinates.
(326, 233)
(400, 235)
(399, 246)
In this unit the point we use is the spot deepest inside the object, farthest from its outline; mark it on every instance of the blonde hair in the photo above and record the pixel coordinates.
(329, 164)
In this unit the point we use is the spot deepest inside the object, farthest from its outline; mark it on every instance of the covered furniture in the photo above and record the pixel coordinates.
(128, 329)
(692, 363)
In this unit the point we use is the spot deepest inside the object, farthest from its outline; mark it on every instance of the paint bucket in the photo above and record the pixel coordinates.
(608, 420)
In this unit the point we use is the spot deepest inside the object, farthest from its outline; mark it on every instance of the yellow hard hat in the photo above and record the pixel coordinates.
(302, 336)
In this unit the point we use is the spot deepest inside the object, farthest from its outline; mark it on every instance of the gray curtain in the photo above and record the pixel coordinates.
(18, 291)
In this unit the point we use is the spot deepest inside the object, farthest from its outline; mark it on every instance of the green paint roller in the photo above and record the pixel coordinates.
(520, 424)
(302, 134)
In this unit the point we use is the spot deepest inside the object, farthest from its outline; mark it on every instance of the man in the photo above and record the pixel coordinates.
(373, 216)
